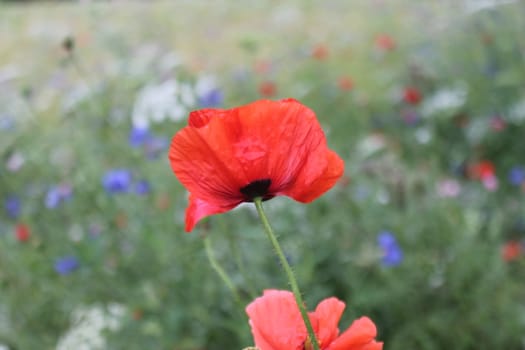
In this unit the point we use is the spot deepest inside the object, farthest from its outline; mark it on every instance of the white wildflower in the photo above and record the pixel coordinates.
(423, 135)
(205, 84)
(445, 100)
(88, 324)
(371, 144)
(78, 94)
(156, 103)
(9, 73)
(517, 111)
(15, 161)
(473, 6)
(169, 61)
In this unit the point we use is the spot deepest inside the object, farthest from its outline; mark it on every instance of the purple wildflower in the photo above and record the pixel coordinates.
(212, 98)
(517, 175)
(142, 187)
(66, 265)
(52, 198)
(117, 181)
(410, 117)
(58, 194)
(392, 253)
(13, 206)
(138, 136)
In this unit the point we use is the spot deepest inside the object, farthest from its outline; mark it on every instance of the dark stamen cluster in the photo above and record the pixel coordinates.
(258, 188)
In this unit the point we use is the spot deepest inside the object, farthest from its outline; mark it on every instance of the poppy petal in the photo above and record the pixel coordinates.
(328, 313)
(200, 159)
(200, 118)
(276, 321)
(374, 345)
(272, 139)
(359, 336)
(309, 185)
(285, 143)
(198, 209)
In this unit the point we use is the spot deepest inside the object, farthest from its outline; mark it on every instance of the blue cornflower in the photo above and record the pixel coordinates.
(392, 253)
(13, 206)
(138, 136)
(52, 198)
(142, 187)
(117, 180)
(66, 265)
(57, 194)
(211, 98)
(517, 175)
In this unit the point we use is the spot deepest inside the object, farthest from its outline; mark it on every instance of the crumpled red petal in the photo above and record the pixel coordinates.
(198, 209)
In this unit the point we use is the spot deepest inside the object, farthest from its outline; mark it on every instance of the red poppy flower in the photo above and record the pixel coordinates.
(345, 83)
(482, 170)
(277, 325)
(263, 67)
(263, 149)
(412, 95)
(22, 232)
(320, 52)
(511, 250)
(267, 89)
(385, 42)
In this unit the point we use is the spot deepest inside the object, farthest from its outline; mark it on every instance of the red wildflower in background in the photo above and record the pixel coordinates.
(262, 67)
(483, 170)
(267, 89)
(412, 95)
(263, 149)
(511, 251)
(385, 42)
(22, 232)
(320, 52)
(345, 83)
(277, 325)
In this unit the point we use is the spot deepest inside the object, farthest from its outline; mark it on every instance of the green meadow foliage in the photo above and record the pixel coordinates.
(425, 234)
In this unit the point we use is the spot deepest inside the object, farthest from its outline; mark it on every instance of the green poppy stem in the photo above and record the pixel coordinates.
(222, 274)
(289, 272)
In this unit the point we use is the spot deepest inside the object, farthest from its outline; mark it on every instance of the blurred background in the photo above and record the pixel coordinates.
(425, 233)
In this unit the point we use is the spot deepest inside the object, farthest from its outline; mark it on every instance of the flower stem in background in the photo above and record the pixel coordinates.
(289, 272)
(68, 44)
(220, 271)
(236, 252)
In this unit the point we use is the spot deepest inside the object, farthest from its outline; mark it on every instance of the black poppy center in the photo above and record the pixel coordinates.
(257, 188)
